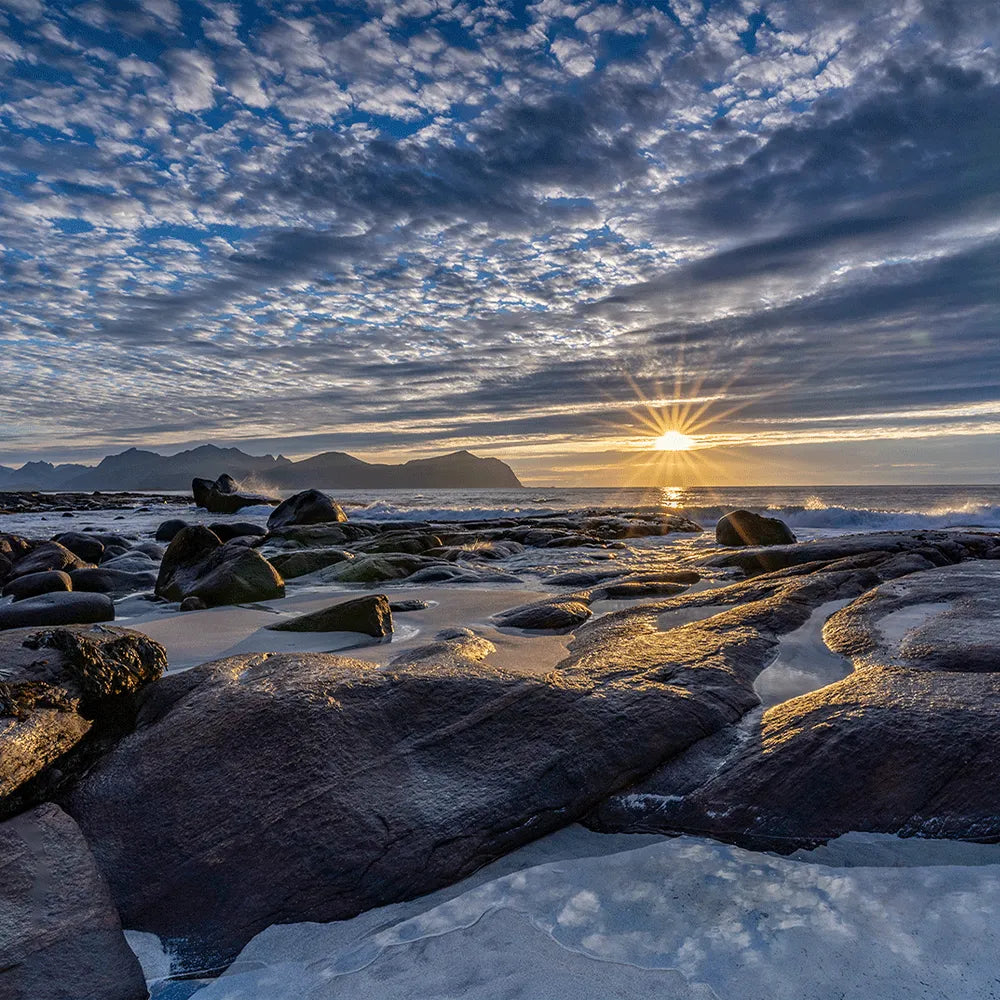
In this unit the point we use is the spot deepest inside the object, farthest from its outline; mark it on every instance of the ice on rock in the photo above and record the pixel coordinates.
(684, 918)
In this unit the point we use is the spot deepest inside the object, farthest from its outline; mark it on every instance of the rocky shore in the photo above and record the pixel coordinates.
(282, 785)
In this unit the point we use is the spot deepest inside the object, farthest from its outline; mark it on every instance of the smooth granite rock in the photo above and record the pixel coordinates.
(370, 615)
(35, 584)
(307, 507)
(58, 608)
(743, 527)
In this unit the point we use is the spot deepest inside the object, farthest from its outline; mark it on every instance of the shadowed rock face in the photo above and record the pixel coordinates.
(307, 507)
(361, 786)
(369, 615)
(223, 495)
(906, 744)
(743, 527)
(60, 936)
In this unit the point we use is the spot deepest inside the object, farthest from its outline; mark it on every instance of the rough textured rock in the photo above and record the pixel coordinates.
(378, 568)
(559, 614)
(197, 564)
(906, 744)
(55, 684)
(307, 507)
(743, 527)
(294, 564)
(370, 615)
(418, 773)
(34, 584)
(46, 557)
(58, 608)
(60, 936)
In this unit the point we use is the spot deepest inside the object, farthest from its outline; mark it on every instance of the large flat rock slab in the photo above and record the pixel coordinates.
(60, 935)
(906, 744)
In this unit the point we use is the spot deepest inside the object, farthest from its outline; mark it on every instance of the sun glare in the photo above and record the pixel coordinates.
(673, 441)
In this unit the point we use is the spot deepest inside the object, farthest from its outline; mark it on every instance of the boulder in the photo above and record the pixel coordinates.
(411, 604)
(193, 604)
(197, 564)
(55, 684)
(86, 546)
(168, 529)
(370, 615)
(46, 557)
(61, 935)
(307, 507)
(228, 530)
(410, 542)
(35, 584)
(378, 568)
(305, 561)
(223, 496)
(109, 580)
(58, 608)
(743, 527)
(560, 614)
(216, 817)
(315, 536)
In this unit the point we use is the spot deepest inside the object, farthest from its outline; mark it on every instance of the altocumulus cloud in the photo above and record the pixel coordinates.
(427, 224)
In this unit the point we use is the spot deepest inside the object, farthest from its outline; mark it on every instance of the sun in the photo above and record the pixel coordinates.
(673, 441)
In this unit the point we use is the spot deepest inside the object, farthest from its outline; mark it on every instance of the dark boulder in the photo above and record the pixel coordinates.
(370, 615)
(193, 604)
(305, 561)
(216, 817)
(46, 557)
(228, 530)
(86, 546)
(559, 614)
(197, 564)
(61, 934)
(109, 580)
(411, 604)
(223, 496)
(55, 684)
(58, 608)
(307, 507)
(743, 527)
(168, 529)
(35, 584)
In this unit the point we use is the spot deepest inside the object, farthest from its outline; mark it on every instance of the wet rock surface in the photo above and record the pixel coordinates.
(902, 745)
(553, 615)
(224, 496)
(419, 772)
(55, 686)
(307, 507)
(60, 935)
(57, 608)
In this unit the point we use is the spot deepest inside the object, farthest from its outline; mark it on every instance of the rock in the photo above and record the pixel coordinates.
(307, 507)
(628, 590)
(61, 933)
(903, 745)
(55, 684)
(315, 536)
(197, 564)
(155, 552)
(378, 568)
(216, 817)
(193, 604)
(410, 542)
(58, 608)
(132, 562)
(915, 548)
(370, 615)
(224, 497)
(168, 529)
(46, 557)
(108, 580)
(13, 547)
(227, 530)
(408, 605)
(305, 561)
(87, 547)
(559, 614)
(35, 584)
(743, 527)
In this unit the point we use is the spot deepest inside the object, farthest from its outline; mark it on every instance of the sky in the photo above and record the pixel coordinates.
(547, 232)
